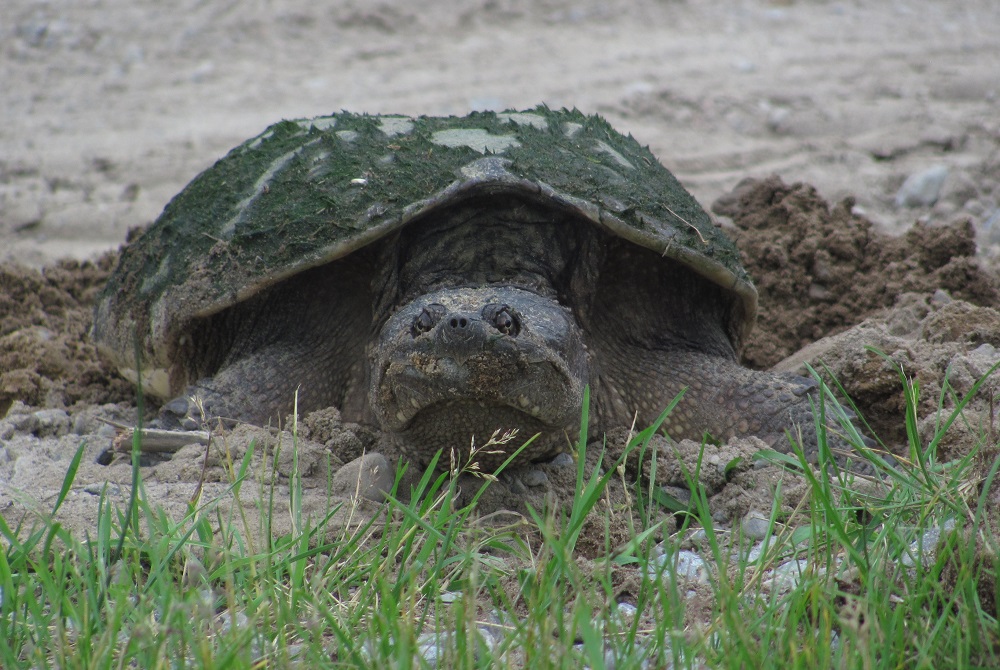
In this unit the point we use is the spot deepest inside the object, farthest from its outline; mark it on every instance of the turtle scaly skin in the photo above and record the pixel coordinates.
(441, 279)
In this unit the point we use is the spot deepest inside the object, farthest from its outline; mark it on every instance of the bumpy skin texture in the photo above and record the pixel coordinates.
(559, 255)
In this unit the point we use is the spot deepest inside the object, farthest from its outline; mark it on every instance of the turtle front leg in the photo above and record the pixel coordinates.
(254, 389)
(261, 388)
(721, 399)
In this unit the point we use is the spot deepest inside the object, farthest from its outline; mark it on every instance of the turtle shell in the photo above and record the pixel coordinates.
(307, 192)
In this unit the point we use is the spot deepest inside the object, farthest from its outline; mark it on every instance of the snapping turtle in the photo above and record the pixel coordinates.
(441, 278)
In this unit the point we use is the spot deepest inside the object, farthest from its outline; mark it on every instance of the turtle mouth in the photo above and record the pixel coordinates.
(469, 431)
(425, 384)
(468, 411)
(470, 421)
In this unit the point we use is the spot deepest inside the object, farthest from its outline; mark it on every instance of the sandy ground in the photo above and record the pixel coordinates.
(110, 107)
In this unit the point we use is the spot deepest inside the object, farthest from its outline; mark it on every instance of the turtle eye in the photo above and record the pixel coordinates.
(503, 319)
(427, 319)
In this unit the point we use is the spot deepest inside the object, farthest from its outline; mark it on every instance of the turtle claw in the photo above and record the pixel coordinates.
(801, 386)
(193, 411)
(178, 415)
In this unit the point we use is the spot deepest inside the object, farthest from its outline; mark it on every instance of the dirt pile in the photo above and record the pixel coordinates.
(821, 269)
(46, 359)
(942, 347)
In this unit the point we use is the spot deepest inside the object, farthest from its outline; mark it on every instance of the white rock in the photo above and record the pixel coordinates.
(687, 565)
(922, 188)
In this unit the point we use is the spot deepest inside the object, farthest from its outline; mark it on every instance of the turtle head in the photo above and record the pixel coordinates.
(460, 363)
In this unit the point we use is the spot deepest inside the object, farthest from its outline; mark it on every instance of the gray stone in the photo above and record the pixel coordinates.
(516, 485)
(991, 226)
(627, 610)
(436, 648)
(535, 477)
(99, 488)
(687, 565)
(922, 189)
(431, 646)
(563, 460)
(678, 493)
(755, 525)
(787, 575)
(366, 477)
(758, 550)
(924, 550)
(940, 297)
(695, 539)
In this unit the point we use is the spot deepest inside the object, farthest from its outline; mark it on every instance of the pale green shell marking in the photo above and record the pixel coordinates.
(307, 192)
(525, 119)
(395, 125)
(475, 138)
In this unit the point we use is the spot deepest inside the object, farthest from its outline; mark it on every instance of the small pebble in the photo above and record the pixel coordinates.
(696, 538)
(925, 549)
(688, 565)
(435, 648)
(97, 488)
(819, 292)
(991, 226)
(777, 117)
(922, 189)
(535, 477)
(940, 298)
(516, 485)
(758, 550)
(563, 460)
(497, 624)
(681, 495)
(755, 526)
(609, 663)
(491, 637)
(787, 575)
(227, 621)
(984, 350)
(366, 477)
(627, 609)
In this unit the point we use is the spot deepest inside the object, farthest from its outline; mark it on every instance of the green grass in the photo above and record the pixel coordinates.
(146, 591)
